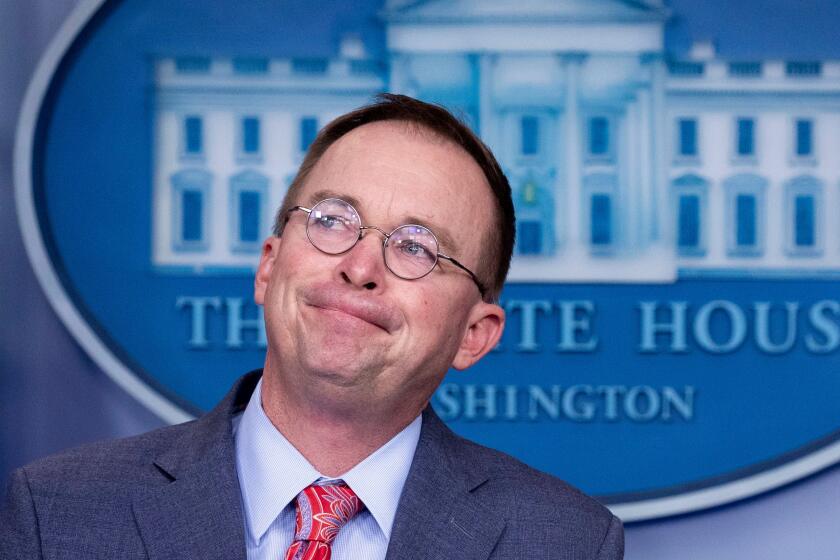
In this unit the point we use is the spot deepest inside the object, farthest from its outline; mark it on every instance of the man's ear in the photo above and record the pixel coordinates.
(268, 257)
(486, 323)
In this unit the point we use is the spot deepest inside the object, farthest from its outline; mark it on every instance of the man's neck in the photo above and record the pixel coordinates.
(333, 441)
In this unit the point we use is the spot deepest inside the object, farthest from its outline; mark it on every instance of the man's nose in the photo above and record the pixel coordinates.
(363, 266)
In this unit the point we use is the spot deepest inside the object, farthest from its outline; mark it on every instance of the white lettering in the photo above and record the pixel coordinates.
(447, 398)
(611, 394)
(574, 409)
(473, 401)
(539, 398)
(675, 327)
(762, 327)
(198, 307)
(682, 403)
(578, 403)
(829, 330)
(529, 309)
(236, 324)
(641, 393)
(737, 327)
(575, 323)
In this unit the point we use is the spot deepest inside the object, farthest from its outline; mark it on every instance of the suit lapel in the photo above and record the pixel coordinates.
(439, 516)
(196, 511)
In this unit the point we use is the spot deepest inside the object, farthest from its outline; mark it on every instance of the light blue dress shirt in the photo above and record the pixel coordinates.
(272, 473)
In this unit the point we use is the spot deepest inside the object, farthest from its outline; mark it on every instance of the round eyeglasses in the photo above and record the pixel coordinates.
(410, 251)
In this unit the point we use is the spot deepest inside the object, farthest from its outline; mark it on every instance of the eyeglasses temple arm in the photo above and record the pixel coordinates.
(292, 209)
(482, 290)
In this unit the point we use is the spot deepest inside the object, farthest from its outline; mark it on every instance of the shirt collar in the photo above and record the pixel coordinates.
(272, 471)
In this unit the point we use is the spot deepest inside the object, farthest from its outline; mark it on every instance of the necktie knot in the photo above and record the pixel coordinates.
(321, 510)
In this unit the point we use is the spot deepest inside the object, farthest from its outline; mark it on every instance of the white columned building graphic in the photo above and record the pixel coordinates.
(627, 164)
(229, 136)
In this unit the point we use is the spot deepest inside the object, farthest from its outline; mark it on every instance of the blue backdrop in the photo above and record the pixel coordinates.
(53, 396)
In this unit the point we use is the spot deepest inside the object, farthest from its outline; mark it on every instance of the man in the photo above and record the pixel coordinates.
(389, 253)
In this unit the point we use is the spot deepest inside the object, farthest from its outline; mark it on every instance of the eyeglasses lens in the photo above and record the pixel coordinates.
(333, 226)
(411, 251)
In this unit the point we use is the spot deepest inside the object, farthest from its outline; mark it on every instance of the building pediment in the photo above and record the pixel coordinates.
(507, 11)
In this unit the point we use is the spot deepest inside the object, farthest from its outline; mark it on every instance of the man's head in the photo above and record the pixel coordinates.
(346, 329)
(435, 120)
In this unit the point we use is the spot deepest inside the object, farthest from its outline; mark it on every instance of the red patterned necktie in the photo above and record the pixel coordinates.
(321, 510)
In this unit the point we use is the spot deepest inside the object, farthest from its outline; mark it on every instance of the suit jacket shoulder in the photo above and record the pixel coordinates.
(155, 495)
(475, 502)
(524, 488)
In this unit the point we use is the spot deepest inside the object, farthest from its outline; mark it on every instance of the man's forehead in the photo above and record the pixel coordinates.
(389, 132)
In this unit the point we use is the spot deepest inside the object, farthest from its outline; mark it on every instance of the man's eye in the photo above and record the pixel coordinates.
(416, 251)
(330, 222)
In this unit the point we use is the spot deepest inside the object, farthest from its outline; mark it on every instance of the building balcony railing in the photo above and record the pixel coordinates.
(201, 69)
(754, 74)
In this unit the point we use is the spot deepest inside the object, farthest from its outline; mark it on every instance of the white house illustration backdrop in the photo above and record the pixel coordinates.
(626, 164)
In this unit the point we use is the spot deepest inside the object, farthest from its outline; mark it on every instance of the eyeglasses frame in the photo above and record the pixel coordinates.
(387, 236)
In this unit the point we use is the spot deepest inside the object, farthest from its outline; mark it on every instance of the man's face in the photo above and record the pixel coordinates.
(344, 325)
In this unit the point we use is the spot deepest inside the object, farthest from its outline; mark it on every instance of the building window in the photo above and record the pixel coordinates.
(691, 192)
(745, 69)
(599, 137)
(745, 138)
(745, 201)
(804, 138)
(308, 132)
(192, 65)
(530, 237)
(192, 203)
(190, 190)
(530, 144)
(363, 67)
(686, 69)
(250, 136)
(248, 191)
(806, 69)
(600, 190)
(804, 234)
(745, 219)
(803, 208)
(601, 220)
(193, 135)
(310, 65)
(535, 216)
(250, 65)
(687, 138)
(688, 236)
(249, 216)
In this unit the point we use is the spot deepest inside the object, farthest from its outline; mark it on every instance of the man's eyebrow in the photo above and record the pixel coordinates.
(318, 196)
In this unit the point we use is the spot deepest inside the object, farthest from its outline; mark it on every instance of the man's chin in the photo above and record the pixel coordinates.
(348, 370)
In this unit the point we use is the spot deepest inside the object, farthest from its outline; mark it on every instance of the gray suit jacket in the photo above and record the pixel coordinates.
(174, 493)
